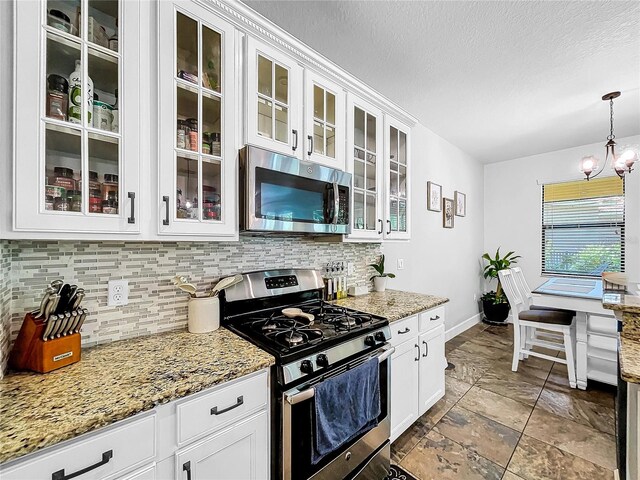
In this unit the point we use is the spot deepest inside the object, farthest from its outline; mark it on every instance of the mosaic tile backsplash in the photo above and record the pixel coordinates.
(155, 305)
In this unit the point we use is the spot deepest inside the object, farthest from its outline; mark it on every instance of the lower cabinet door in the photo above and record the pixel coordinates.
(404, 387)
(240, 452)
(431, 369)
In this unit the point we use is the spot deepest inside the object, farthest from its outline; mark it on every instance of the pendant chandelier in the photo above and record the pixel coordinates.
(620, 163)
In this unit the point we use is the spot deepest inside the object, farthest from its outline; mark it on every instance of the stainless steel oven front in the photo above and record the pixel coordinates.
(284, 194)
(365, 457)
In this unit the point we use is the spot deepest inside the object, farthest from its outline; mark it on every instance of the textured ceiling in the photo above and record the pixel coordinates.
(500, 80)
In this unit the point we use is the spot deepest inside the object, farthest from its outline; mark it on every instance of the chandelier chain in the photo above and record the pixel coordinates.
(611, 135)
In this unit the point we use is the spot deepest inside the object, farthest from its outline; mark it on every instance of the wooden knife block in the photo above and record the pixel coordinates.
(30, 352)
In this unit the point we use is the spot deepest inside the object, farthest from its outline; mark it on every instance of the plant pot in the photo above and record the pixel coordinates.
(495, 312)
(379, 284)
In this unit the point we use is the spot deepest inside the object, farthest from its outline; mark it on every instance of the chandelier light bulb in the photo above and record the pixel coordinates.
(588, 165)
(628, 157)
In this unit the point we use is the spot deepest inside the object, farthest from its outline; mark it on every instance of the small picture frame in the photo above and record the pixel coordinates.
(460, 200)
(448, 212)
(434, 197)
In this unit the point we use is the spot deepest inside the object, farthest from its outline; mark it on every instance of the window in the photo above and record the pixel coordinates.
(583, 227)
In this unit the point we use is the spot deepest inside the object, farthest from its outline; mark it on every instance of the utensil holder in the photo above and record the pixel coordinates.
(204, 314)
(30, 352)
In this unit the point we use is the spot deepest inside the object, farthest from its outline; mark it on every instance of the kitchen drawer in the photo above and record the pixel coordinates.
(131, 445)
(431, 319)
(603, 325)
(145, 473)
(403, 330)
(217, 409)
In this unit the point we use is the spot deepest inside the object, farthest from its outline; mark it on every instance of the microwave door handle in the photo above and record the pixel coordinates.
(336, 203)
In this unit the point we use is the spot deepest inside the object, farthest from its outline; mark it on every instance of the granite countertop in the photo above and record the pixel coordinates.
(393, 304)
(116, 381)
(627, 307)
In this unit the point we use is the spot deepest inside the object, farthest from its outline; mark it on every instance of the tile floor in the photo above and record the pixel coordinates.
(496, 424)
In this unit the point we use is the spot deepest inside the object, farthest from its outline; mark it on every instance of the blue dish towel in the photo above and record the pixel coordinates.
(346, 405)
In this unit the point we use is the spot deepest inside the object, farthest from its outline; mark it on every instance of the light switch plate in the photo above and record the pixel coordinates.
(401, 264)
(118, 293)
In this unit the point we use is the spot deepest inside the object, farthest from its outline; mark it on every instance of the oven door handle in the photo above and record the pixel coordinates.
(301, 396)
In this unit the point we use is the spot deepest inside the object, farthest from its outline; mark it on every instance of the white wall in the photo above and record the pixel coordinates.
(512, 203)
(442, 261)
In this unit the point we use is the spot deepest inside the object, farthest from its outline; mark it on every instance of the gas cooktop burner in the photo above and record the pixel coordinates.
(286, 331)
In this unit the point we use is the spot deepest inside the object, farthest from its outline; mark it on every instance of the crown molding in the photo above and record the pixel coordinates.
(252, 23)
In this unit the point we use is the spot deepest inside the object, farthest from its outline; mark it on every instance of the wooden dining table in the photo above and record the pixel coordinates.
(596, 327)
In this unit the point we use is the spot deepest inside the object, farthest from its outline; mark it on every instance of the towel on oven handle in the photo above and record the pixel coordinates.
(345, 406)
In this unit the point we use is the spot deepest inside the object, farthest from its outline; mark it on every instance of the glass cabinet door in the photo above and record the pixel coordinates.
(196, 157)
(364, 162)
(397, 188)
(273, 99)
(82, 176)
(324, 121)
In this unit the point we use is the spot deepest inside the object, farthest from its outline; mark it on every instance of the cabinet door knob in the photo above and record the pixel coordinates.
(186, 467)
(380, 231)
(132, 218)
(165, 199)
(426, 349)
(295, 140)
(389, 229)
(59, 475)
(310, 138)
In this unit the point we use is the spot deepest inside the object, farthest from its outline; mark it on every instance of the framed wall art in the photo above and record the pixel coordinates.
(460, 200)
(434, 197)
(447, 212)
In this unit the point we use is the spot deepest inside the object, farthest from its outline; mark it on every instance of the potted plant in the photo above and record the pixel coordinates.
(380, 279)
(494, 303)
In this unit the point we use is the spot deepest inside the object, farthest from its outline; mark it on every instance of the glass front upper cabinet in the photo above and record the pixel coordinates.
(273, 99)
(78, 162)
(196, 157)
(324, 121)
(397, 152)
(365, 163)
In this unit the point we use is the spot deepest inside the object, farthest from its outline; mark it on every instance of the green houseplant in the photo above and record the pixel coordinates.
(380, 278)
(494, 303)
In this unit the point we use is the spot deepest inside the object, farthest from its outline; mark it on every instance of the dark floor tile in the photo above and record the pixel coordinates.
(438, 458)
(596, 392)
(501, 409)
(468, 366)
(513, 385)
(487, 438)
(536, 460)
(581, 411)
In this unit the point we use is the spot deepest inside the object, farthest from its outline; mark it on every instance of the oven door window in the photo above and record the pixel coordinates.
(291, 198)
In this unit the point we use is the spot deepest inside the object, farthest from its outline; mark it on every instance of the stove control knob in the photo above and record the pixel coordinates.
(370, 341)
(380, 337)
(322, 361)
(306, 366)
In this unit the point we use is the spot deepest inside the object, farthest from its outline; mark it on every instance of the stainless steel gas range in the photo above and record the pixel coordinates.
(312, 345)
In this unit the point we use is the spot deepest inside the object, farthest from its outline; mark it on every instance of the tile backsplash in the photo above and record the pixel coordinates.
(155, 305)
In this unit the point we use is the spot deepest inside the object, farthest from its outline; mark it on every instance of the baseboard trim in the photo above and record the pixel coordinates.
(462, 326)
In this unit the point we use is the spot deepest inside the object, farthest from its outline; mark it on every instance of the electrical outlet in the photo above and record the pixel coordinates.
(118, 293)
(401, 264)
(475, 297)
(350, 268)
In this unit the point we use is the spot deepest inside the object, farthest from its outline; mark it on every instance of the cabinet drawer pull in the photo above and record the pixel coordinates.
(239, 401)
(389, 229)
(295, 137)
(380, 231)
(418, 355)
(310, 138)
(186, 467)
(132, 196)
(426, 349)
(406, 330)
(433, 319)
(59, 475)
(165, 199)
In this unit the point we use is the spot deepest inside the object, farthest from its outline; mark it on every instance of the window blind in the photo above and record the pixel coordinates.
(583, 227)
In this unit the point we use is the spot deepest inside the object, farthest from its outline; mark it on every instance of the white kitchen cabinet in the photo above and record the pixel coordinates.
(404, 388)
(145, 473)
(397, 163)
(76, 162)
(417, 367)
(324, 120)
(431, 369)
(365, 163)
(237, 453)
(273, 99)
(197, 107)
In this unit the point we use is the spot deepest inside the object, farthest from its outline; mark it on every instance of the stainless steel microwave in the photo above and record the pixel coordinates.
(284, 194)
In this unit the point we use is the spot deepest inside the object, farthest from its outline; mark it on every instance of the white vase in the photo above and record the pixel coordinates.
(379, 284)
(204, 314)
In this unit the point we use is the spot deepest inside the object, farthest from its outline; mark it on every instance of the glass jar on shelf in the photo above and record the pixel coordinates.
(57, 97)
(110, 186)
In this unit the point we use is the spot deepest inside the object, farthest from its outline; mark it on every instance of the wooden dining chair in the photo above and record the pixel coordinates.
(528, 324)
